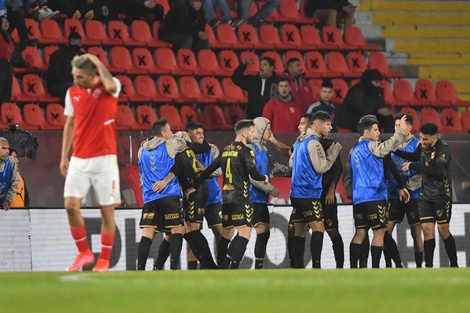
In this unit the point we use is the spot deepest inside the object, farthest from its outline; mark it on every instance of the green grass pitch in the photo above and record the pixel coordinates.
(384, 290)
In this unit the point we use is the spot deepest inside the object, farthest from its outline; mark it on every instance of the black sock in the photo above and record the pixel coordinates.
(354, 254)
(364, 254)
(316, 246)
(176, 244)
(192, 265)
(260, 248)
(338, 249)
(376, 253)
(451, 250)
(143, 252)
(194, 243)
(230, 249)
(392, 249)
(290, 249)
(429, 246)
(419, 259)
(299, 251)
(163, 254)
(222, 252)
(239, 247)
(388, 259)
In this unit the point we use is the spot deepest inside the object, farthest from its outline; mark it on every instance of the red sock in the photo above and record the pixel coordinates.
(79, 235)
(107, 240)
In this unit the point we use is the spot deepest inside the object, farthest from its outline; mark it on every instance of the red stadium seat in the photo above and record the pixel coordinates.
(55, 118)
(335, 62)
(10, 114)
(189, 89)
(403, 92)
(121, 60)
(268, 34)
(73, 25)
(251, 68)
(156, 35)
(290, 37)
(95, 31)
(145, 116)
(228, 62)
(315, 66)
(233, 93)
(331, 37)
(51, 32)
(288, 9)
(18, 95)
(214, 119)
(353, 37)
(172, 115)
(226, 35)
(388, 95)
(207, 63)
(466, 120)
(316, 87)
(186, 61)
(340, 89)
(189, 113)
(140, 31)
(33, 117)
(128, 92)
(168, 89)
(234, 114)
(450, 121)
(356, 63)
(211, 89)
(117, 30)
(445, 91)
(247, 35)
(125, 119)
(145, 87)
(311, 38)
(165, 60)
(416, 123)
(378, 61)
(33, 58)
(429, 115)
(103, 56)
(143, 60)
(425, 94)
(33, 87)
(214, 43)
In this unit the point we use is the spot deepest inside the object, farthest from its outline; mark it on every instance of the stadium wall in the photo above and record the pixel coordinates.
(38, 239)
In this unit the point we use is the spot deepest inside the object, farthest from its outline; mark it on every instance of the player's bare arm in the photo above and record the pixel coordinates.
(67, 140)
(105, 75)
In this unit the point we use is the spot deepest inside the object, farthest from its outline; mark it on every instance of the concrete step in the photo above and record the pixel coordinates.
(416, 5)
(425, 31)
(445, 72)
(421, 18)
(431, 58)
(430, 45)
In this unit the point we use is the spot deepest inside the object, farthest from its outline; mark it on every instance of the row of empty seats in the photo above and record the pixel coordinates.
(33, 117)
(448, 120)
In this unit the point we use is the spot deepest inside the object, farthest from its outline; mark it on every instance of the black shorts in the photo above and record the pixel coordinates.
(330, 214)
(372, 214)
(306, 210)
(213, 214)
(195, 206)
(398, 209)
(260, 214)
(237, 215)
(436, 211)
(162, 214)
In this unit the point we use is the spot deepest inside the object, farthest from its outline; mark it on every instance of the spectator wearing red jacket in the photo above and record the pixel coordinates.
(281, 110)
(6, 70)
(301, 90)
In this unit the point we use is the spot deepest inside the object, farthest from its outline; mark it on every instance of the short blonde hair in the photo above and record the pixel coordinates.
(83, 62)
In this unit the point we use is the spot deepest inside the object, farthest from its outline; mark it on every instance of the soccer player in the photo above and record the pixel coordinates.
(309, 162)
(259, 191)
(237, 166)
(90, 107)
(9, 175)
(162, 210)
(364, 179)
(435, 204)
(398, 209)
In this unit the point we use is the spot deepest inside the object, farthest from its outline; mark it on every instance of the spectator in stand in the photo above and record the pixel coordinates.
(260, 87)
(184, 26)
(15, 18)
(364, 98)
(283, 113)
(59, 73)
(22, 196)
(264, 12)
(324, 104)
(102, 10)
(37, 9)
(300, 88)
(6, 51)
(331, 12)
(209, 6)
(139, 9)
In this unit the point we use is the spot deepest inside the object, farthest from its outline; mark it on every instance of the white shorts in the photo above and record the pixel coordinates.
(100, 172)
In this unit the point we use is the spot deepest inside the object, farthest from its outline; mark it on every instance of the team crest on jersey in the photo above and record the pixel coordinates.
(239, 147)
(97, 92)
(252, 153)
(442, 157)
(291, 109)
